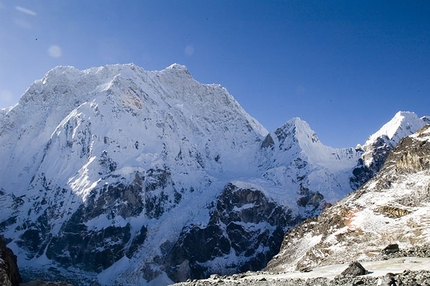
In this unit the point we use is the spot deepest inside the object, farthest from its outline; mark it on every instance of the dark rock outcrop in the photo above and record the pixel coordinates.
(244, 222)
(95, 249)
(413, 154)
(378, 152)
(388, 280)
(9, 273)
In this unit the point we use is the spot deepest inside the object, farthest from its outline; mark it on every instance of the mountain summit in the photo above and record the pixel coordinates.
(403, 124)
(119, 175)
(379, 145)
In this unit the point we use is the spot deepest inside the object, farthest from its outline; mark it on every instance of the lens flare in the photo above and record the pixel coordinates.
(55, 51)
(189, 50)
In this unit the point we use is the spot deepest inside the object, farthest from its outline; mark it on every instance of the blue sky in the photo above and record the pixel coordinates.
(345, 67)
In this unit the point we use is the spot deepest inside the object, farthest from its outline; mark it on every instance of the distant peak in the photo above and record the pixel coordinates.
(299, 128)
(426, 119)
(404, 123)
(176, 66)
(405, 115)
(177, 69)
(61, 70)
(296, 122)
(57, 75)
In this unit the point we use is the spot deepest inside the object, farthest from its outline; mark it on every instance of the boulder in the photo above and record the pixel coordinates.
(387, 280)
(354, 269)
(391, 248)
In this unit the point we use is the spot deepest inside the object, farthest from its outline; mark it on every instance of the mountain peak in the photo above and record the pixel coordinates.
(380, 144)
(300, 130)
(403, 124)
(59, 72)
(178, 68)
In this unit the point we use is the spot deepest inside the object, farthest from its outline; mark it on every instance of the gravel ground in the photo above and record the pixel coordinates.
(409, 278)
(410, 271)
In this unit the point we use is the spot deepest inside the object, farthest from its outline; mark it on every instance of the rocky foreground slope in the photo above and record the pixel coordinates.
(392, 208)
(121, 175)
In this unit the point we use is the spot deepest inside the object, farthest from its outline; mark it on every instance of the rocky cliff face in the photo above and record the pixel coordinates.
(121, 175)
(9, 273)
(245, 228)
(391, 208)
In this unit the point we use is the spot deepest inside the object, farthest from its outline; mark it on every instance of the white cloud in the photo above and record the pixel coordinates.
(25, 11)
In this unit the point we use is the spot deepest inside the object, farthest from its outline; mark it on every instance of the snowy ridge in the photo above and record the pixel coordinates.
(98, 86)
(319, 154)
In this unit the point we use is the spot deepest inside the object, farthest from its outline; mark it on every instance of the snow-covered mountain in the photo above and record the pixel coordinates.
(391, 209)
(380, 144)
(120, 175)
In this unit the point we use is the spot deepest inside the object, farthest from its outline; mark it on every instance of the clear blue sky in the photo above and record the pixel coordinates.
(345, 67)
